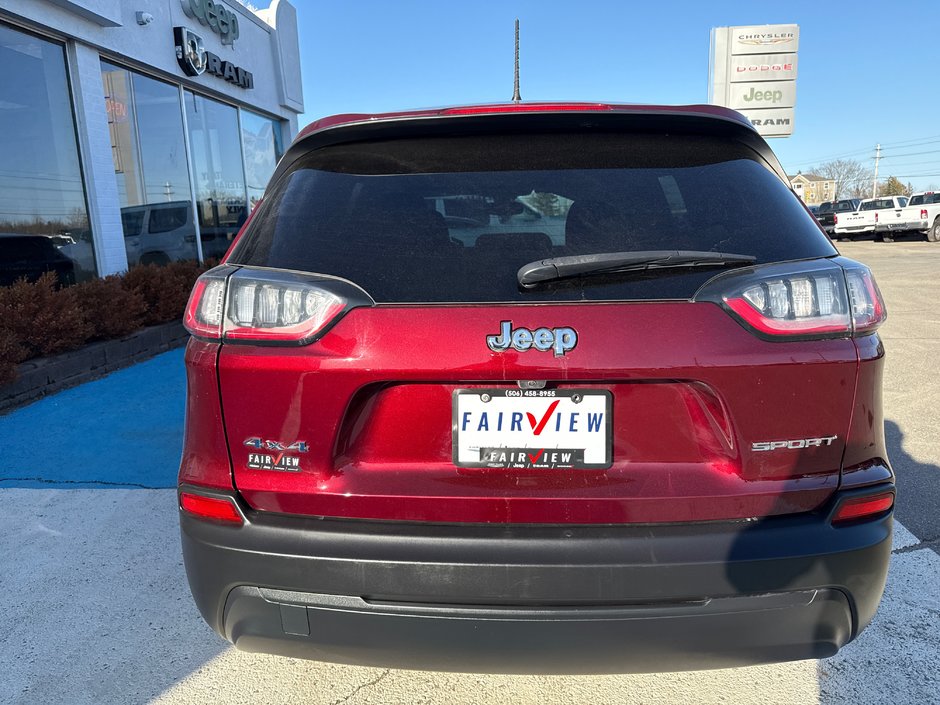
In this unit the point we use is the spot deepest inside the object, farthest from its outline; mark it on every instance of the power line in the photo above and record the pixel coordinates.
(904, 144)
(907, 142)
(820, 160)
(914, 154)
(904, 164)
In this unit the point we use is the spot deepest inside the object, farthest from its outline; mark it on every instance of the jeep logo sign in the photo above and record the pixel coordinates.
(559, 340)
(765, 96)
(215, 16)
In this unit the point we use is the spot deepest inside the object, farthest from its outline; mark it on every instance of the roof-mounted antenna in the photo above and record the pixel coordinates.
(516, 98)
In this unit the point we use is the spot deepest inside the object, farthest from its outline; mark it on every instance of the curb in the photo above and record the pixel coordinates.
(46, 375)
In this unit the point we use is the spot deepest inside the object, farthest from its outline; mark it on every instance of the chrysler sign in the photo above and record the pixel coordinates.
(195, 60)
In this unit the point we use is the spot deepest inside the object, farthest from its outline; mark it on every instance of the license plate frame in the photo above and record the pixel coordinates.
(552, 457)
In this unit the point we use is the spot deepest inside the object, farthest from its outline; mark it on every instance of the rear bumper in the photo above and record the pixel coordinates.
(538, 599)
(919, 225)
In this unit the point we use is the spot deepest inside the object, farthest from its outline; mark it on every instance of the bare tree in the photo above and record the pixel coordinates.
(853, 179)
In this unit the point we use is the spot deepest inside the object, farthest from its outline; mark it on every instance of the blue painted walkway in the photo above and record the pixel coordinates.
(124, 430)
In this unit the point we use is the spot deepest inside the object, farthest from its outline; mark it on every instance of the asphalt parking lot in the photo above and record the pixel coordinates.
(96, 607)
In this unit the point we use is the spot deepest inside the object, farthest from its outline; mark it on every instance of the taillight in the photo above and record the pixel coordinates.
(267, 307)
(859, 508)
(923, 214)
(876, 217)
(214, 508)
(835, 220)
(805, 300)
(868, 308)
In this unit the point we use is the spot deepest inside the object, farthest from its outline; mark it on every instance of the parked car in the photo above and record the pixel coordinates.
(655, 445)
(866, 218)
(158, 233)
(30, 256)
(470, 216)
(830, 210)
(921, 215)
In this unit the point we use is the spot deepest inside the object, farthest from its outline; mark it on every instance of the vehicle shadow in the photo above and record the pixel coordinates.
(897, 654)
(898, 639)
(918, 488)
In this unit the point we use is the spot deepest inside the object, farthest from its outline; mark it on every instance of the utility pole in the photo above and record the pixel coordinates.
(874, 186)
(516, 98)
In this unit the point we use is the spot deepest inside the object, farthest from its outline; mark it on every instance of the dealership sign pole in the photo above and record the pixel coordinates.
(753, 70)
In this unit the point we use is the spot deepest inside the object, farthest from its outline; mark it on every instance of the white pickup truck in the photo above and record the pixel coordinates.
(870, 213)
(922, 214)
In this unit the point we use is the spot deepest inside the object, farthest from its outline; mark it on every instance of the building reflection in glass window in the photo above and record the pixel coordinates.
(43, 215)
(149, 151)
(217, 171)
(261, 138)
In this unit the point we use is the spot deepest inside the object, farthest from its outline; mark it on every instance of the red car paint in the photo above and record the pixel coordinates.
(373, 400)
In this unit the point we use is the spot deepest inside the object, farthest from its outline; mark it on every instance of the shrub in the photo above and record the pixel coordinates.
(10, 353)
(42, 318)
(38, 318)
(164, 289)
(110, 309)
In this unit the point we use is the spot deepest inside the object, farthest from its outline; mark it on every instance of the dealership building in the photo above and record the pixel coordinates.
(136, 131)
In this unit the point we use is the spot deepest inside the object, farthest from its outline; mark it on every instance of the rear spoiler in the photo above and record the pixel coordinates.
(706, 120)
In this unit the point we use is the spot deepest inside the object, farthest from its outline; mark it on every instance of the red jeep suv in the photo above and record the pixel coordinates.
(535, 388)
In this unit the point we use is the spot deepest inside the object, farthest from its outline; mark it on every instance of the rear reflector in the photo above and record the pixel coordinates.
(214, 508)
(801, 300)
(267, 307)
(862, 507)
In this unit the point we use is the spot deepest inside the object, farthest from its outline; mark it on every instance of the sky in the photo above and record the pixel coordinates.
(867, 71)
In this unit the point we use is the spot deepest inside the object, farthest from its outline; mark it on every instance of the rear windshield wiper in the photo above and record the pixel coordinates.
(555, 268)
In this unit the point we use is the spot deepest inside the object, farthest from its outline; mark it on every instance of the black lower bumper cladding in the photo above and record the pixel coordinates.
(538, 599)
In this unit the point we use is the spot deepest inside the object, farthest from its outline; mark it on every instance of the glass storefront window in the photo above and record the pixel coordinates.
(261, 138)
(43, 215)
(218, 172)
(149, 151)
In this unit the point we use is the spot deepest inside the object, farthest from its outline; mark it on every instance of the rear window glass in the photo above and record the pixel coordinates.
(26, 248)
(877, 204)
(131, 221)
(453, 219)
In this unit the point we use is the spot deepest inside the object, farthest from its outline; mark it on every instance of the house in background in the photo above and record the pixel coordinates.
(813, 189)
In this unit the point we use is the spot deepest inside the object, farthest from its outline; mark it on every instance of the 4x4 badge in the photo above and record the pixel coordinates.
(560, 340)
(261, 444)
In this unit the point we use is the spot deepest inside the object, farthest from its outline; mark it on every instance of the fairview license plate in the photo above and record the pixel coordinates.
(542, 429)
